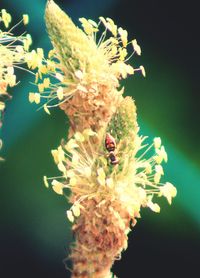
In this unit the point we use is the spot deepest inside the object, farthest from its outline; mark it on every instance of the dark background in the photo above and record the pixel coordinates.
(34, 233)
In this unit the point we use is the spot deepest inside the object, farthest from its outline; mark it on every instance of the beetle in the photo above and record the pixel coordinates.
(110, 145)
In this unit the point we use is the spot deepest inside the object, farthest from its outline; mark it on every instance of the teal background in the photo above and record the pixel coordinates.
(34, 232)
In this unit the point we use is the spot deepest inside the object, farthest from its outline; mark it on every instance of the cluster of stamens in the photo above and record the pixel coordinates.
(13, 50)
(57, 83)
(89, 174)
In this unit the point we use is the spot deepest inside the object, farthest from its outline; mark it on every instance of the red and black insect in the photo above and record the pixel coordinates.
(110, 145)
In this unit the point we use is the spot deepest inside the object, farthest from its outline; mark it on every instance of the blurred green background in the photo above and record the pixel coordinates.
(34, 233)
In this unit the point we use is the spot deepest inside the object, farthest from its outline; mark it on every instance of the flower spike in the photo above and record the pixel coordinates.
(109, 170)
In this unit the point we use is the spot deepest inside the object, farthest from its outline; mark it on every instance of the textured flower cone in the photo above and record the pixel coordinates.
(96, 99)
(76, 50)
(101, 235)
(91, 110)
(102, 227)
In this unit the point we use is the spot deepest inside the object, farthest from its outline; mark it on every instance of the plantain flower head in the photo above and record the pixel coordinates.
(13, 50)
(107, 171)
(83, 69)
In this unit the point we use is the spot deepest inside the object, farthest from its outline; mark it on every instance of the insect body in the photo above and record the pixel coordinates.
(113, 158)
(110, 145)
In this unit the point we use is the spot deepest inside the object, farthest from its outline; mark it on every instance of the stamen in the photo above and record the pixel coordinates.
(139, 158)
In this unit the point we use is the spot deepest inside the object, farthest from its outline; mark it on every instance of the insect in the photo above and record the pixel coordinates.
(110, 145)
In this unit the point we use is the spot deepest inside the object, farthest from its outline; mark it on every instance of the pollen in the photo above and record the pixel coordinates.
(25, 19)
(57, 187)
(5, 17)
(70, 216)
